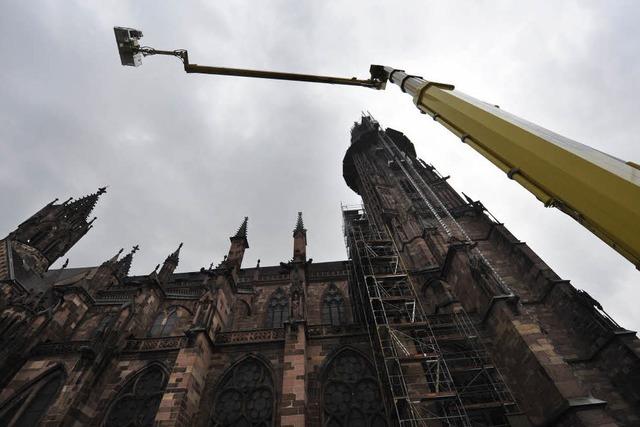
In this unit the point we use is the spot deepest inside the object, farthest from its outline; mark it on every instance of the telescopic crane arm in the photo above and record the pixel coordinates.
(600, 191)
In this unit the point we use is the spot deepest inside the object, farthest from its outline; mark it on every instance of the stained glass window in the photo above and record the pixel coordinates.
(246, 397)
(137, 403)
(277, 309)
(351, 393)
(32, 404)
(333, 306)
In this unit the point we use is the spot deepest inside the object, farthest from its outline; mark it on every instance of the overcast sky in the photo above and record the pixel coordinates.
(186, 157)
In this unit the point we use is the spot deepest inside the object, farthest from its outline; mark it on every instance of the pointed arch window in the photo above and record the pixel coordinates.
(277, 309)
(28, 408)
(333, 306)
(137, 403)
(165, 323)
(351, 393)
(246, 397)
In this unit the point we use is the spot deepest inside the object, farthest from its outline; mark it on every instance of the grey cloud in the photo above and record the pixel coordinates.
(186, 157)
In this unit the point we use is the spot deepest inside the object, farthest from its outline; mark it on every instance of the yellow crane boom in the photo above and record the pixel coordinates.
(600, 191)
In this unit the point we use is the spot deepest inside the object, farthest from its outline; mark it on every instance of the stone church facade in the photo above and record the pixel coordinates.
(439, 317)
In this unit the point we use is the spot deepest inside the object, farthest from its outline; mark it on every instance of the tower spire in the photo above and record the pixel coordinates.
(54, 229)
(80, 209)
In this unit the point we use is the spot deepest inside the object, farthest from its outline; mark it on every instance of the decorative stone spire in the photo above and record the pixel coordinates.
(299, 224)
(124, 265)
(242, 230)
(238, 245)
(170, 265)
(175, 255)
(300, 240)
(105, 274)
(114, 259)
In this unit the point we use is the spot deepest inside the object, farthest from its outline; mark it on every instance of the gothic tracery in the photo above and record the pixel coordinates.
(137, 403)
(333, 306)
(245, 397)
(351, 393)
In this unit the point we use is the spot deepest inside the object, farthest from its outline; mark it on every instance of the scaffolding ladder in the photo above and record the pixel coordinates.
(416, 373)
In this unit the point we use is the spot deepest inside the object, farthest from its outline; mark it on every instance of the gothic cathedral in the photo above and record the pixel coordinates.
(440, 317)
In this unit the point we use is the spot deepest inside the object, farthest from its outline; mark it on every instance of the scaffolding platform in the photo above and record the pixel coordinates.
(435, 367)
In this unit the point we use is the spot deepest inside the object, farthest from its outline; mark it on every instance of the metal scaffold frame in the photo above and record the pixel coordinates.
(454, 386)
(436, 368)
(416, 373)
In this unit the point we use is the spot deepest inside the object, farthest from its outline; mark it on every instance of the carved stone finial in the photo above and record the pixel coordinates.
(299, 223)
(174, 257)
(242, 231)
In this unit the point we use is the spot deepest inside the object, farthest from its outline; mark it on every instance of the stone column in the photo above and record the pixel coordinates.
(181, 399)
(292, 404)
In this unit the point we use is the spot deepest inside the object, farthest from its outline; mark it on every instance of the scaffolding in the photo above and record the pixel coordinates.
(416, 374)
(436, 370)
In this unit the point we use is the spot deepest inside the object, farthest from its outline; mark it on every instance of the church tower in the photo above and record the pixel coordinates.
(54, 229)
(436, 272)
(27, 252)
